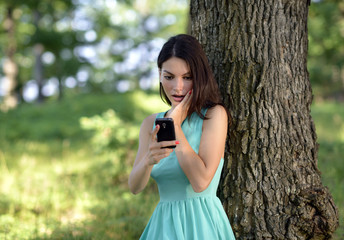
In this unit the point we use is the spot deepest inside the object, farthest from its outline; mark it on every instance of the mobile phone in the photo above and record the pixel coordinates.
(166, 131)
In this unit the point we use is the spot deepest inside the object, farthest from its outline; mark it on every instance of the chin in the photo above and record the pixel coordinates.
(174, 104)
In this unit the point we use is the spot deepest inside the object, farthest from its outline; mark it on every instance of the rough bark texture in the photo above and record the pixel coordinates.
(10, 67)
(271, 186)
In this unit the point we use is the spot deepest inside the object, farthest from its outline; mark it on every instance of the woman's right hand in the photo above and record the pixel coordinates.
(156, 152)
(179, 113)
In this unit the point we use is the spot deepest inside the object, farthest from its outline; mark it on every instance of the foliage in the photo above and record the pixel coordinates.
(36, 27)
(329, 122)
(61, 185)
(91, 45)
(109, 131)
(326, 48)
(109, 45)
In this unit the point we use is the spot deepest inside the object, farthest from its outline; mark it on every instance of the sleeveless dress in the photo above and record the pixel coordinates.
(183, 214)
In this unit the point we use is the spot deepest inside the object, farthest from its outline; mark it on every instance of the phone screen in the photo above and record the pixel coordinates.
(166, 131)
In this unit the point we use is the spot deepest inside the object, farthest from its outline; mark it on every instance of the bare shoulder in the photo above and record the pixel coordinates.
(217, 114)
(214, 135)
(145, 130)
(216, 118)
(148, 122)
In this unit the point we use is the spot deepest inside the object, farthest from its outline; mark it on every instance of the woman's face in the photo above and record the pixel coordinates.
(176, 79)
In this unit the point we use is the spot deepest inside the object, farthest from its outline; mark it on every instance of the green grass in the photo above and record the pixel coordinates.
(56, 182)
(66, 178)
(329, 121)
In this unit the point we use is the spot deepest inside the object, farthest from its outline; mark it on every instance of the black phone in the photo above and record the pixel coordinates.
(166, 131)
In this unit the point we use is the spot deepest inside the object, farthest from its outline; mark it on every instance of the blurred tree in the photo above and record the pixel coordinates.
(54, 38)
(51, 39)
(326, 48)
(10, 67)
(38, 32)
(130, 35)
(271, 186)
(91, 45)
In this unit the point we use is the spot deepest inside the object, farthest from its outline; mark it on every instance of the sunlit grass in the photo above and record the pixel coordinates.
(329, 122)
(59, 181)
(38, 192)
(61, 186)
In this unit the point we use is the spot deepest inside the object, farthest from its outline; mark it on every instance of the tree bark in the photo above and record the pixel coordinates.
(270, 186)
(10, 67)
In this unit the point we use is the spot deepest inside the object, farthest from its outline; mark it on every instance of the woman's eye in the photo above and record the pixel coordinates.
(168, 77)
(188, 78)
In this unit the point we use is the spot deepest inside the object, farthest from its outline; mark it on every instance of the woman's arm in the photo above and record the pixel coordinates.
(200, 168)
(148, 154)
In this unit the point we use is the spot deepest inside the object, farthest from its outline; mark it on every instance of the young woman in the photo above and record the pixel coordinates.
(187, 176)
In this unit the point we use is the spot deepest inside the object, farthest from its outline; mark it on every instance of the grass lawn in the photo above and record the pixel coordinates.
(329, 122)
(59, 180)
(64, 166)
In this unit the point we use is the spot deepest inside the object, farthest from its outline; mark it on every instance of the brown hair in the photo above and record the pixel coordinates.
(205, 88)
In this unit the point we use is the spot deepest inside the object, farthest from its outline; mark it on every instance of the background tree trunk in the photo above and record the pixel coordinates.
(38, 51)
(10, 67)
(271, 186)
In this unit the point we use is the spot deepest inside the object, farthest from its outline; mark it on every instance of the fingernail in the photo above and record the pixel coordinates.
(190, 91)
(177, 142)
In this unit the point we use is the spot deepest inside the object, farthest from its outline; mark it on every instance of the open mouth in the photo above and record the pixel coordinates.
(178, 98)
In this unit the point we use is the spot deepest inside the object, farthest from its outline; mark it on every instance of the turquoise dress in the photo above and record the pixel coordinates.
(183, 214)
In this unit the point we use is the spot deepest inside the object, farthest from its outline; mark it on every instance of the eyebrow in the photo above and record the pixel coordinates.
(188, 73)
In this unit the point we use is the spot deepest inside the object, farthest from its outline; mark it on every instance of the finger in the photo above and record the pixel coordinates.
(186, 100)
(168, 143)
(189, 97)
(159, 154)
(164, 155)
(154, 132)
(160, 151)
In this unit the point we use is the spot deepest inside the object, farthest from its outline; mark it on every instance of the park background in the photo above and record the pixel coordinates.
(86, 77)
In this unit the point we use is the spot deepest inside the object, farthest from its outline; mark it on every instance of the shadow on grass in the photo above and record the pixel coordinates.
(57, 185)
(332, 168)
(60, 120)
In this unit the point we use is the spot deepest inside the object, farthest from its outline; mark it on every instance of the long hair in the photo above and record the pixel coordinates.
(205, 89)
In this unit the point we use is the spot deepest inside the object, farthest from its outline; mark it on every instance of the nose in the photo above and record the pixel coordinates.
(179, 84)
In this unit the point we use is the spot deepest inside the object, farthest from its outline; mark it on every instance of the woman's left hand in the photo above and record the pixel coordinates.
(179, 113)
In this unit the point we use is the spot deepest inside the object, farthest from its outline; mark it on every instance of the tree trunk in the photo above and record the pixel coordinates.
(271, 186)
(10, 67)
(38, 51)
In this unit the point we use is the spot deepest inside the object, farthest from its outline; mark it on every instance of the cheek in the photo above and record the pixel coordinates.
(165, 88)
(190, 86)
(166, 85)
